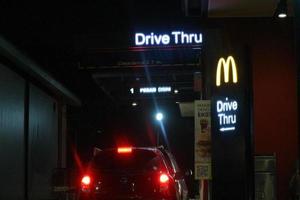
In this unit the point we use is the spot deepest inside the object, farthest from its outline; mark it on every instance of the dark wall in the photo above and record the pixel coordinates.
(12, 90)
(271, 45)
(275, 103)
(28, 138)
(42, 143)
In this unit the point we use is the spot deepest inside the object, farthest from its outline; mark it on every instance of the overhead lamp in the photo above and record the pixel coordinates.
(134, 104)
(159, 116)
(281, 10)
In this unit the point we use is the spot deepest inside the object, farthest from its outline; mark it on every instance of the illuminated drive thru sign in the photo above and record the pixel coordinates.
(172, 38)
(232, 150)
(226, 108)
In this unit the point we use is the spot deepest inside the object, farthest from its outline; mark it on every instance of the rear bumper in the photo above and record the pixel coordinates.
(113, 198)
(127, 197)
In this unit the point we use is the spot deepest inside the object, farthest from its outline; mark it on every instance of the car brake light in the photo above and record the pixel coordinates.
(124, 150)
(163, 178)
(86, 180)
(164, 183)
(85, 183)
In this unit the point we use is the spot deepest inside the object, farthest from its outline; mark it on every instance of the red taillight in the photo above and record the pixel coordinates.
(86, 180)
(164, 183)
(86, 183)
(164, 178)
(124, 150)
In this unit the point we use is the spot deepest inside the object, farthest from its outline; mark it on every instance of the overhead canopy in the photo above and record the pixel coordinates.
(116, 71)
(30, 68)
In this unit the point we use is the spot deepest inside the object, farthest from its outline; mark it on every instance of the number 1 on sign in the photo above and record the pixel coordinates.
(132, 90)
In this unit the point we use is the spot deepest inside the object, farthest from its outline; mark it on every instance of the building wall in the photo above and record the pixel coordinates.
(275, 107)
(275, 103)
(42, 143)
(12, 167)
(29, 136)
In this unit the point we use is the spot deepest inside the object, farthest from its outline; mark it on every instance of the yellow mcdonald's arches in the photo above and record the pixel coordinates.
(225, 64)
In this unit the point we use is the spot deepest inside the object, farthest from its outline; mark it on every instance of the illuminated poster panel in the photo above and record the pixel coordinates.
(202, 140)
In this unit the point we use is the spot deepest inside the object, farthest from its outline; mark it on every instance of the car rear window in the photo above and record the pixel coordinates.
(137, 160)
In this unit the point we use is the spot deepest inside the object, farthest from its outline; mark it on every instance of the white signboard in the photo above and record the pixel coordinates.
(202, 140)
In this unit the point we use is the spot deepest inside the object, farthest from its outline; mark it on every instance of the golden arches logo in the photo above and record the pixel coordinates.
(225, 64)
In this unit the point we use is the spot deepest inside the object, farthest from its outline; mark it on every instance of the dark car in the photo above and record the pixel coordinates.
(133, 173)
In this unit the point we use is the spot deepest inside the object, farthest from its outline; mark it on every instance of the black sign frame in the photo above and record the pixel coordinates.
(232, 152)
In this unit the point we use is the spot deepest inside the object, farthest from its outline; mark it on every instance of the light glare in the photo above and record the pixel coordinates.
(163, 178)
(86, 180)
(124, 150)
(159, 116)
(282, 15)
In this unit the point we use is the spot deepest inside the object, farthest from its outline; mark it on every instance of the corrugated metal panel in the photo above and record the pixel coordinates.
(12, 91)
(42, 143)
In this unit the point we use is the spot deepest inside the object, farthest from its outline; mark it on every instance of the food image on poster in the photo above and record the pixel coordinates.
(204, 139)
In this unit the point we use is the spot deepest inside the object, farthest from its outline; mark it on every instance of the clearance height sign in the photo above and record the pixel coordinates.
(232, 158)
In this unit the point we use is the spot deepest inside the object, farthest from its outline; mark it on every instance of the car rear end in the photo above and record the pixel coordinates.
(128, 173)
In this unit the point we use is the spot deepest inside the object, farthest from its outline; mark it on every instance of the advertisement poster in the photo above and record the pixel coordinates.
(202, 140)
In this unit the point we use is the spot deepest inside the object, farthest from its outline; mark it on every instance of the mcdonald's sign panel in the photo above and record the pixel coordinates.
(232, 169)
(227, 104)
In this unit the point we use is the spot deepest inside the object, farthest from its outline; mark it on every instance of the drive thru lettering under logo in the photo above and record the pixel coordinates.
(227, 111)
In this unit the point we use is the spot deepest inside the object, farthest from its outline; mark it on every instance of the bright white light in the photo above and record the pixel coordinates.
(164, 89)
(176, 91)
(173, 37)
(282, 15)
(148, 90)
(132, 90)
(139, 39)
(226, 106)
(227, 129)
(159, 116)
(227, 114)
(134, 104)
(160, 89)
(151, 39)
